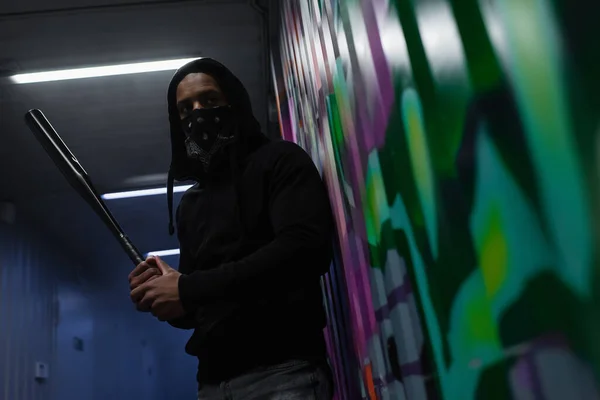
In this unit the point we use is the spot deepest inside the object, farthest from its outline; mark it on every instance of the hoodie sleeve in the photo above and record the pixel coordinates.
(187, 321)
(300, 214)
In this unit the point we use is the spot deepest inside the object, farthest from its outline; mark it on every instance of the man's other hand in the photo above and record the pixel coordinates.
(144, 272)
(161, 293)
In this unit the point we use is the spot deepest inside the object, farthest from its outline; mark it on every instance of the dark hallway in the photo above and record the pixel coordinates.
(458, 141)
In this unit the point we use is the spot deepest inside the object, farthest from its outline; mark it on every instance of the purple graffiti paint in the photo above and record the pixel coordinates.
(382, 72)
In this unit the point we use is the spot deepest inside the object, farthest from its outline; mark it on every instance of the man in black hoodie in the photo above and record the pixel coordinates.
(255, 235)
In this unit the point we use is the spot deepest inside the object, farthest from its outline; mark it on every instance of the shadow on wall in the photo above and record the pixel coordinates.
(92, 341)
(459, 142)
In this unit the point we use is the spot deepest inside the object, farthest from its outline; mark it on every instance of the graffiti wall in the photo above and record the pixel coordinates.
(459, 141)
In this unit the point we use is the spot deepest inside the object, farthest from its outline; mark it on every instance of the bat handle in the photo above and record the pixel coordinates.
(133, 253)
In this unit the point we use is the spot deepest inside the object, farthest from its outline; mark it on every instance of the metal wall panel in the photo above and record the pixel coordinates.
(27, 315)
(95, 344)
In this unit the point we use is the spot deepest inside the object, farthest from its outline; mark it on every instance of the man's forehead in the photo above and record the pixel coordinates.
(196, 82)
(198, 79)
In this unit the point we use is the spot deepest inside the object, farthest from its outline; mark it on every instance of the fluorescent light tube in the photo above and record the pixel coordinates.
(93, 72)
(143, 192)
(164, 253)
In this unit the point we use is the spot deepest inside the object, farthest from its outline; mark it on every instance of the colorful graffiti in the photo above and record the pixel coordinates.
(459, 141)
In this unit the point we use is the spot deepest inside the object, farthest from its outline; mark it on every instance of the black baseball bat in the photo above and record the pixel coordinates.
(74, 173)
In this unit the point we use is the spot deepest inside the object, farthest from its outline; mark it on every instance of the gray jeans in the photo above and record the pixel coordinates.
(292, 380)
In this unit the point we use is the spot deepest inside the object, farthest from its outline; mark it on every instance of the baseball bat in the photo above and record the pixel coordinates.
(72, 170)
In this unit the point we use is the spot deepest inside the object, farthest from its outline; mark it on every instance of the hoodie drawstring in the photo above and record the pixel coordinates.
(170, 183)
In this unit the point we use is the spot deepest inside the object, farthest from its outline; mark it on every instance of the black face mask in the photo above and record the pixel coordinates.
(207, 131)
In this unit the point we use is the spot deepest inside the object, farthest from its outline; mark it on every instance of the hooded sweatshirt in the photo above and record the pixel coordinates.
(255, 237)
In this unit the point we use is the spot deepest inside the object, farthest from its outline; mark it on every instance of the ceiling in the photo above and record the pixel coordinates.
(116, 126)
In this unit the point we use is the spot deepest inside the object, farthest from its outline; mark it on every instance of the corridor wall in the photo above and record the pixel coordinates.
(28, 315)
(459, 141)
(95, 344)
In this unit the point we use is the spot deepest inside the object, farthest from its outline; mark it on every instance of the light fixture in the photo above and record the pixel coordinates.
(164, 253)
(93, 72)
(143, 192)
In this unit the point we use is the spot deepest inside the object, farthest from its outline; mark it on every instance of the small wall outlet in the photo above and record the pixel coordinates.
(41, 371)
(78, 344)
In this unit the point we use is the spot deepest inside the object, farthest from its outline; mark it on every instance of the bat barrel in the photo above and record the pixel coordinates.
(77, 177)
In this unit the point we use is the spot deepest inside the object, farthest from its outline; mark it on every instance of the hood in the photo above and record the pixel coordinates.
(248, 132)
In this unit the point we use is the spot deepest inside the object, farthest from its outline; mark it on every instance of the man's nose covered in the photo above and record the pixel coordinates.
(202, 124)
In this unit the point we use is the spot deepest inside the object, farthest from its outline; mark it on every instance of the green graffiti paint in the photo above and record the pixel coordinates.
(536, 59)
(414, 127)
(485, 188)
